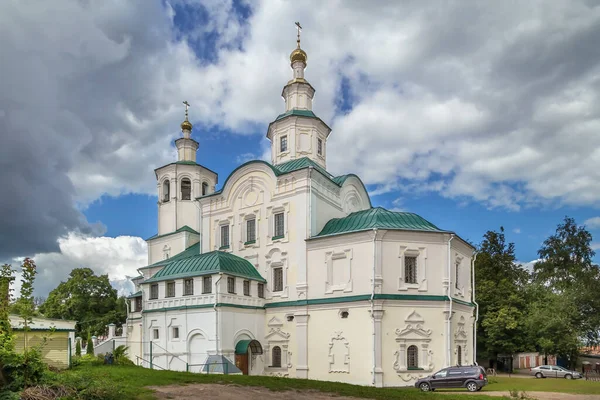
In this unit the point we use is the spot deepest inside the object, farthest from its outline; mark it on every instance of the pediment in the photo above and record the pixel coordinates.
(275, 322)
(414, 318)
(413, 332)
(277, 334)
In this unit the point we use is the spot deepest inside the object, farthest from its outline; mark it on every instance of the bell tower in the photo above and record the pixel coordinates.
(298, 132)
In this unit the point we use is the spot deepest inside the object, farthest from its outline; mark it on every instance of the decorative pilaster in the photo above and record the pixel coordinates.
(377, 317)
(301, 318)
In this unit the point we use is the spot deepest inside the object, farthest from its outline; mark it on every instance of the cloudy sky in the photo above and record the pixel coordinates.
(472, 114)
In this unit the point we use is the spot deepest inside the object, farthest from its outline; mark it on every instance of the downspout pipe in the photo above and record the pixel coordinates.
(310, 169)
(373, 303)
(217, 312)
(476, 308)
(449, 328)
(199, 223)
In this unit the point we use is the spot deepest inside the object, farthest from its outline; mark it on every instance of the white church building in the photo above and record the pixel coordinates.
(287, 270)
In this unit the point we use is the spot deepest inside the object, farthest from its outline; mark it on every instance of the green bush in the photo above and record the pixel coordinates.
(89, 348)
(22, 369)
(78, 348)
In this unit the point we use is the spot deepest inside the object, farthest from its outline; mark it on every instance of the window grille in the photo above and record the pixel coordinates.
(154, 291)
(224, 236)
(170, 289)
(277, 279)
(230, 284)
(207, 284)
(283, 144)
(412, 357)
(276, 362)
(188, 287)
(246, 288)
(410, 269)
(279, 225)
(261, 290)
(251, 230)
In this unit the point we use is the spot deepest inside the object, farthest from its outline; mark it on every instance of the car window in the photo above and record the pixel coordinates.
(454, 372)
(544, 367)
(441, 374)
(556, 369)
(471, 371)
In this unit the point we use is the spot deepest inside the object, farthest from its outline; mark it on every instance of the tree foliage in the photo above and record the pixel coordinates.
(500, 289)
(88, 299)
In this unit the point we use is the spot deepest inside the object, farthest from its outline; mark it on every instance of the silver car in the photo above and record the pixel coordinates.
(553, 371)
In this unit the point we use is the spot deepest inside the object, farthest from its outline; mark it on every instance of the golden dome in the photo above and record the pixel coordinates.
(186, 125)
(298, 55)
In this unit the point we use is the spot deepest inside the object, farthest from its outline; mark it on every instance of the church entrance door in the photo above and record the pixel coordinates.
(245, 351)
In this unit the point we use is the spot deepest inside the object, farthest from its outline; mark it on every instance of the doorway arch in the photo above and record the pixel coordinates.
(243, 350)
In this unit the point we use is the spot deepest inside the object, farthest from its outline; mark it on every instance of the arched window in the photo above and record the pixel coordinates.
(459, 355)
(204, 188)
(186, 189)
(166, 191)
(276, 357)
(412, 357)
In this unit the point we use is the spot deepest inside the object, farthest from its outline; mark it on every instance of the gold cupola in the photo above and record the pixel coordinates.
(298, 54)
(186, 125)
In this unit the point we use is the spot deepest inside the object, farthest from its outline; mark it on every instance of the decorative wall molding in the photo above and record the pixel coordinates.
(339, 271)
(339, 354)
(421, 254)
(413, 334)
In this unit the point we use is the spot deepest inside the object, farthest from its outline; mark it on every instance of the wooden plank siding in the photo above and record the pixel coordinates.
(56, 350)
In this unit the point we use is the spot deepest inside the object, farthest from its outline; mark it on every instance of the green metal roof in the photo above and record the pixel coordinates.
(136, 294)
(242, 347)
(207, 264)
(189, 252)
(184, 228)
(299, 113)
(379, 218)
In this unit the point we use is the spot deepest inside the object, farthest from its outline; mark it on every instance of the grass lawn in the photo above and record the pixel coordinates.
(133, 380)
(543, 385)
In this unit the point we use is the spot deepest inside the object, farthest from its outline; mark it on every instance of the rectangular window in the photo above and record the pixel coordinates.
(188, 287)
(155, 334)
(170, 289)
(283, 144)
(207, 284)
(279, 228)
(230, 284)
(138, 304)
(277, 279)
(261, 290)
(224, 236)
(410, 269)
(175, 333)
(246, 288)
(319, 147)
(154, 291)
(457, 274)
(251, 231)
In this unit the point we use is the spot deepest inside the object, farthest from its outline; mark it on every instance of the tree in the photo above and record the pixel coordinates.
(566, 268)
(89, 348)
(78, 348)
(500, 289)
(88, 299)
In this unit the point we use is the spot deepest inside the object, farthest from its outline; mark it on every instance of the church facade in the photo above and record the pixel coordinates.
(287, 270)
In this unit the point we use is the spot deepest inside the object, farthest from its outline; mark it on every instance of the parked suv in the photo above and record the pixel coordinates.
(472, 377)
(553, 371)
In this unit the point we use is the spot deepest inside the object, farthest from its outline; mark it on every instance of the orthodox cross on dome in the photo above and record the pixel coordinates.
(299, 27)
(187, 105)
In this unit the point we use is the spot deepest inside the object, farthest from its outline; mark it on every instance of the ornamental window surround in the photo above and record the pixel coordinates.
(186, 189)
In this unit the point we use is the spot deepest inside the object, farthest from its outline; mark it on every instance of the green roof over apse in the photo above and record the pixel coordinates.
(299, 113)
(184, 228)
(379, 218)
(206, 264)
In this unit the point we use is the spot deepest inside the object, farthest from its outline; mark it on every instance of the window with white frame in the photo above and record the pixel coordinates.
(319, 147)
(188, 287)
(166, 191)
(279, 228)
(410, 269)
(154, 291)
(283, 144)
(207, 284)
(230, 284)
(170, 289)
(261, 290)
(457, 274)
(186, 189)
(224, 236)
(412, 357)
(278, 279)
(176, 333)
(276, 357)
(246, 288)
(250, 231)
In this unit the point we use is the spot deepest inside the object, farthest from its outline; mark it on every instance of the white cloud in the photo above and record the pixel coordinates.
(595, 246)
(592, 223)
(517, 230)
(529, 265)
(118, 257)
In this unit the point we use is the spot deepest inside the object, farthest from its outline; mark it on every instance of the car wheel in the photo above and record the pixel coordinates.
(568, 376)
(539, 375)
(424, 387)
(472, 387)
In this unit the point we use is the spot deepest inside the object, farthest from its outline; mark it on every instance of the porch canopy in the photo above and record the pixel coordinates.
(242, 347)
